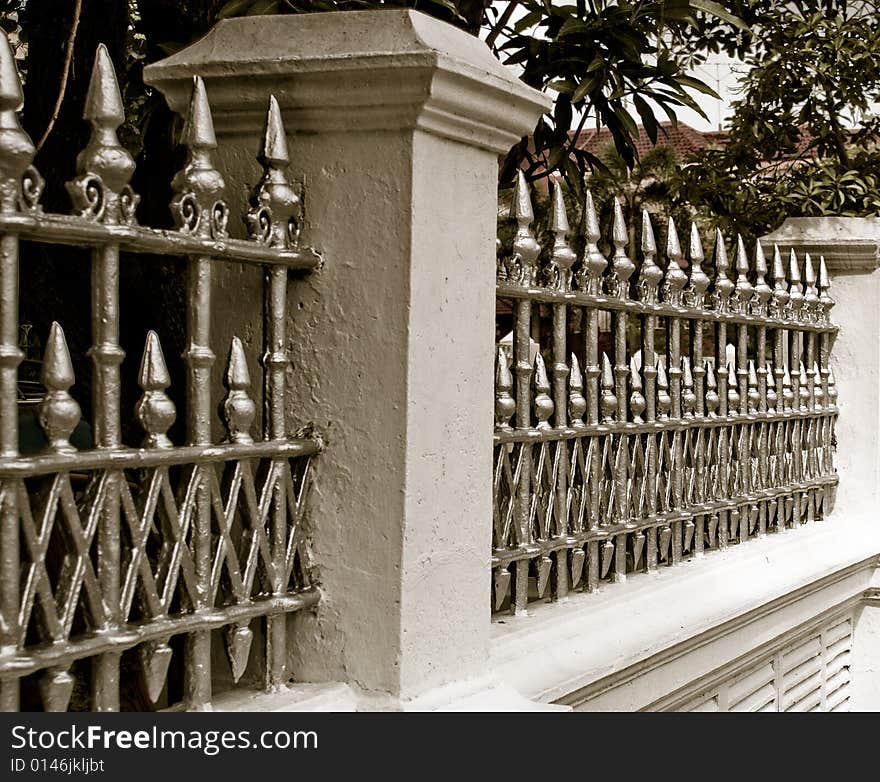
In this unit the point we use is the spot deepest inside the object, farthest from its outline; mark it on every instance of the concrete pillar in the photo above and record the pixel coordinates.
(395, 123)
(851, 247)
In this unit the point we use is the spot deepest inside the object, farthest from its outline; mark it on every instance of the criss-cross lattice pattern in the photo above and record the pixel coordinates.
(119, 562)
(711, 421)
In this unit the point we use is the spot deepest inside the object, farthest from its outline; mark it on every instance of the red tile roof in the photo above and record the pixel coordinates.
(682, 138)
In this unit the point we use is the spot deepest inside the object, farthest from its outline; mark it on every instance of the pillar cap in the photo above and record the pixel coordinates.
(849, 244)
(354, 71)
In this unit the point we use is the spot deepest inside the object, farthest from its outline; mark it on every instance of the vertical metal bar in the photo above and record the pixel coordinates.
(274, 428)
(560, 407)
(16, 154)
(106, 356)
(526, 251)
(10, 358)
(649, 371)
(197, 210)
(562, 259)
(199, 359)
(106, 167)
(673, 349)
(275, 210)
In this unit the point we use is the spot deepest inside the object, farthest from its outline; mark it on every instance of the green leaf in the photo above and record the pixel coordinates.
(717, 10)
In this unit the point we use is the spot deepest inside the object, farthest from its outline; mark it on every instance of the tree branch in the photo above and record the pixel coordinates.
(65, 74)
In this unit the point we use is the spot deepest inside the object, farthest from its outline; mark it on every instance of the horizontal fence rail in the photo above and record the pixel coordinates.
(145, 551)
(710, 422)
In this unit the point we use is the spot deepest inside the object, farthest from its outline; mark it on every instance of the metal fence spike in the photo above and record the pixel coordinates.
(155, 657)
(154, 410)
(723, 287)
(56, 687)
(577, 403)
(197, 187)
(58, 411)
(622, 267)
(505, 405)
(608, 402)
(238, 409)
(743, 288)
(275, 213)
(563, 257)
(542, 402)
(675, 279)
(11, 94)
(103, 104)
(712, 398)
(238, 648)
(650, 273)
(698, 281)
(273, 151)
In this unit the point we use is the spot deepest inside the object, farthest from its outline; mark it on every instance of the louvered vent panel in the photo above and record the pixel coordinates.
(754, 690)
(702, 704)
(802, 675)
(807, 673)
(838, 646)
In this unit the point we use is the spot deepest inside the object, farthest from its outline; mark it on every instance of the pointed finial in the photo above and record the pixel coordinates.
(56, 684)
(238, 638)
(237, 408)
(154, 410)
(608, 402)
(772, 398)
(103, 100)
(505, 405)
(812, 310)
(101, 191)
(155, 657)
(787, 393)
(11, 94)
(197, 187)
(818, 393)
(732, 393)
(16, 149)
(698, 282)
(637, 402)
(712, 399)
(744, 288)
(558, 272)
(577, 404)
(593, 266)
(795, 290)
(723, 285)
(58, 412)
(621, 266)
(780, 290)
(753, 396)
(521, 268)
(825, 300)
(275, 210)
(273, 151)
(688, 397)
(675, 278)
(803, 388)
(763, 292)
(198, 126)
(832, 388)
(521, 206)
(543, 403)
(664, 401)
(650, 274)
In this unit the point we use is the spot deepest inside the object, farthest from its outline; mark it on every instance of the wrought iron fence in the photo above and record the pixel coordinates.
(667, 449)
(114, 549)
